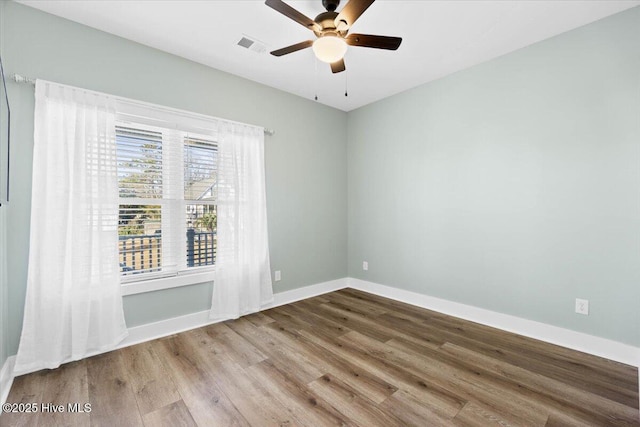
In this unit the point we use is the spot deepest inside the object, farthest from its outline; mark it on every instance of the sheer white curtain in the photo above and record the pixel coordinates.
(243, 272)
(73, 305)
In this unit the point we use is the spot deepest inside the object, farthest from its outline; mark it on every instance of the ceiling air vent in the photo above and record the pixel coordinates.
(252, 44)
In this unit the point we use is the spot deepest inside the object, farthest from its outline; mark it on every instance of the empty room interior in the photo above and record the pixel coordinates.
(323, 212)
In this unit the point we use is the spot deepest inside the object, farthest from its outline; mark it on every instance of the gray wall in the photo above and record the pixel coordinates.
(305, 159)
(4, 285)
(512, 186)
(4, 307)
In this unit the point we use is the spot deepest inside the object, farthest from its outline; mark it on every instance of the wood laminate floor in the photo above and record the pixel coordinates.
(344, 358)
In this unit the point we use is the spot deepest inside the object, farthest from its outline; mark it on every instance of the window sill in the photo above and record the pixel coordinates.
(142, 286)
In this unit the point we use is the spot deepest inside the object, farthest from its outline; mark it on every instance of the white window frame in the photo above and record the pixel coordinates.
(149, 117)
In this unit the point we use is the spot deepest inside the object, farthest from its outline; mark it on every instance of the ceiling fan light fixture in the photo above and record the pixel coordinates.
(330, 48)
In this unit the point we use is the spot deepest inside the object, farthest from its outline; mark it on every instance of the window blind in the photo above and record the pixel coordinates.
(167, 195)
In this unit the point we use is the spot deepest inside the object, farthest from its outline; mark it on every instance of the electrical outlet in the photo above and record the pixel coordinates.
(582, 306)
(278, 276)
(365, 265)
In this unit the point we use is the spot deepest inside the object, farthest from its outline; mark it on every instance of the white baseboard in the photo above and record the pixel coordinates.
(602, 347)
(163, 328)
(305, 292)
(6, 379)
(566, 338)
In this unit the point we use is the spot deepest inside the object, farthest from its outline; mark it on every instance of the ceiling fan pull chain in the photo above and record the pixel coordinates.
(315, 63)
(346, 83)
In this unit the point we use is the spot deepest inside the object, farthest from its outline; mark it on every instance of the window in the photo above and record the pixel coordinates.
(167, 193)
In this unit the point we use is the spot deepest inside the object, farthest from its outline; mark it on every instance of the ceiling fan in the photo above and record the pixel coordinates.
(331, 29)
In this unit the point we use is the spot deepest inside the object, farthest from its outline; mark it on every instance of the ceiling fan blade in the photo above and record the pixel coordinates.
(378, 42)
(293, 48)
(350, 13)
(338, 66)
(288, 11)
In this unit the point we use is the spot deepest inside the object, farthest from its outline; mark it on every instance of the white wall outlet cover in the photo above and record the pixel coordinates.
(365, 265)
(582, 306)
(278, 275)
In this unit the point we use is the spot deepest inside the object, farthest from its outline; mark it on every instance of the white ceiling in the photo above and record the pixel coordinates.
(439, 38)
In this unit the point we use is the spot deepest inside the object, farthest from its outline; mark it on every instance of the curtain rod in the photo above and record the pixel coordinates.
(22, 79)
